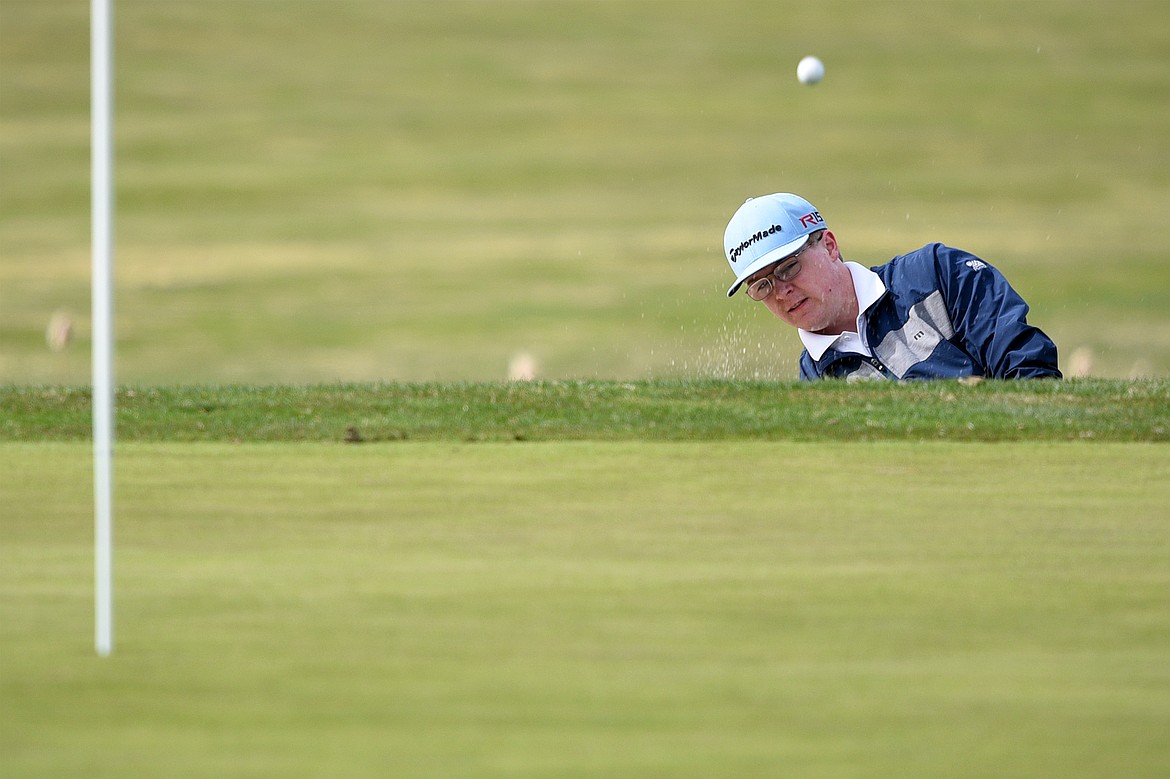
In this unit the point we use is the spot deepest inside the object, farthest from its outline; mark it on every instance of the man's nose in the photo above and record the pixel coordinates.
(781, 289)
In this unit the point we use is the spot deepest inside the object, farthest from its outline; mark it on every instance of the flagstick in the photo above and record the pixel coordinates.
(103, 382)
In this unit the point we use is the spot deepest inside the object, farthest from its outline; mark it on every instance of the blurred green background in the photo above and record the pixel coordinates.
(318, 190)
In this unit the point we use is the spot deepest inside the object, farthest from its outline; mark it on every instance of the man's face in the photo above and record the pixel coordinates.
(820, 297)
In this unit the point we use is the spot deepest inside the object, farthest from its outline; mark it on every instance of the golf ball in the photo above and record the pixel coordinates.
(810, 70)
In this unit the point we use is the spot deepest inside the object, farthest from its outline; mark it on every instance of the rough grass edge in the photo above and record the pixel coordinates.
(667, 410)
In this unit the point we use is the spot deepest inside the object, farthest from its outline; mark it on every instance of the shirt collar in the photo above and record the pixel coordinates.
(869, 288)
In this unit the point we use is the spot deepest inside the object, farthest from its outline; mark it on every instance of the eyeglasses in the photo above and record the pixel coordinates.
(785, 270)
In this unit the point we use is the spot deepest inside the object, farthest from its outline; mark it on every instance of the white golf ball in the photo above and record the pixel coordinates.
(810, 70)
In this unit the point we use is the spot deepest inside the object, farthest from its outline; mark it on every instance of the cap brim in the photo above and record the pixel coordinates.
(774, 256)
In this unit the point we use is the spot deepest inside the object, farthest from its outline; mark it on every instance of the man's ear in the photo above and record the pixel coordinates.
(830, 242)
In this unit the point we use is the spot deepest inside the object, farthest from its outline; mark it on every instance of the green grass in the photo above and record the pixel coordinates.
(1098, 409)
(591, 609)
(355, 191)
(662, 559)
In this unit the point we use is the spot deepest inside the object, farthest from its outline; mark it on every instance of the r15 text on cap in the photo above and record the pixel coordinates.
(811, 219)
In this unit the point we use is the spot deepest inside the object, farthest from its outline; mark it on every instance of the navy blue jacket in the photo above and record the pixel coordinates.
(945, 314)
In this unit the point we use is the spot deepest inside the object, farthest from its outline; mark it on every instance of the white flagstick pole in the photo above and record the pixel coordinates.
(101, 86)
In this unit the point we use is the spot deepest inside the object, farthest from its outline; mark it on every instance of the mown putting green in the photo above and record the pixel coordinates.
(621, 609)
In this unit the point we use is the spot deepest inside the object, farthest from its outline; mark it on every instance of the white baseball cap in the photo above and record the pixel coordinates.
(765, 230)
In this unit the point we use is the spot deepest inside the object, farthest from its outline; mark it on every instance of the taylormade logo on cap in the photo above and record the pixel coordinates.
(757, 237)
(765, 230)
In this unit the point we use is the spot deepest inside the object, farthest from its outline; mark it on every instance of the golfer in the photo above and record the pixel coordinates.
(934, 313)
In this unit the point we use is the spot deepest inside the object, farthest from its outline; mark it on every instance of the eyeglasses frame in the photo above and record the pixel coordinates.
(784, 270)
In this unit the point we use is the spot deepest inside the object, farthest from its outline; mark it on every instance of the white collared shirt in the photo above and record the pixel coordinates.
(868, 287)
